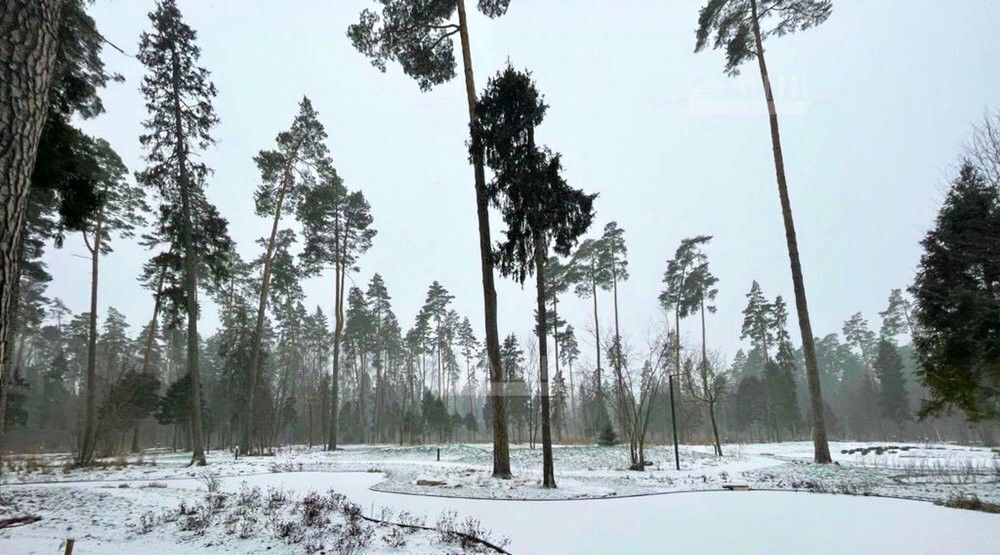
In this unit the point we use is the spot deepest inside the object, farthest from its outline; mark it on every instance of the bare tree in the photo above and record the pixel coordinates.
(707, 387)
(634, 393)
(984, 149)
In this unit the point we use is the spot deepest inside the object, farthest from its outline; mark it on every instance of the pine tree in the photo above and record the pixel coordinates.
(120, 210)
(417, 34)
(337, 229)
(589, 272)
(896, 318)
(857, 334)
(675, 296)
(28, 38)
(738, 29)
(179, 100)
(287, 173)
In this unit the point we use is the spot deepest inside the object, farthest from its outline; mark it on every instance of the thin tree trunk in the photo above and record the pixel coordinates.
(151, 334)
(190, 271)
(28, 44)
(89, 426)
(820, 445)
(709, 388)
(597, 341)
(338, 329)
(501, 454)
(249, 431)
(548, 473)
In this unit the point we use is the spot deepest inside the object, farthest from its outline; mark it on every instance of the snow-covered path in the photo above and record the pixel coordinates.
(771, 523)
(704, 522)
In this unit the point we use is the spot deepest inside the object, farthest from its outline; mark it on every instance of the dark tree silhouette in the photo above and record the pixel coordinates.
(957, 293)
(537, 205)
(179, 100)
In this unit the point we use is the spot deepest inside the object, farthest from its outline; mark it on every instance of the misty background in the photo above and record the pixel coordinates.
(874, 105)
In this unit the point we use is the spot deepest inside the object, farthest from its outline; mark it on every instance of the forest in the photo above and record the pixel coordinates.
(284, 369)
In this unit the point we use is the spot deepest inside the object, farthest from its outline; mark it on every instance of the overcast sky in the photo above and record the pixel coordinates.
(874, 104)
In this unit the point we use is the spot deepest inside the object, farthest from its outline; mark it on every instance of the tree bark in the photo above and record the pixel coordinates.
(597, 340)
(709, 388)
(89, 431)
(190, 270)
(501, 453)
(28, 44)
(249, 431)
(820, 445)
(338, 329)
(147, 353)
(548, 473)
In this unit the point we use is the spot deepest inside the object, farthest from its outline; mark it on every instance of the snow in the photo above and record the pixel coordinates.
(598, 508)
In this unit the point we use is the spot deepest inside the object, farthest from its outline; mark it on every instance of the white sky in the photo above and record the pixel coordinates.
(875, 105)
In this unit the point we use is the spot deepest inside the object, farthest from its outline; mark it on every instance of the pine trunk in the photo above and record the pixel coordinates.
(89, 427)
(147, 352)
(28, 43)
(250, 432)
(501, 454)
(548, 473)
(820, 445)
(338, 329)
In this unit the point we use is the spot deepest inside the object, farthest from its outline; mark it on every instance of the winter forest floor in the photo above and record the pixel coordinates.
(157, 504)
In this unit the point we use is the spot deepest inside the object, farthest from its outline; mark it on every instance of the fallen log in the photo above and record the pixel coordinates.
(18, 521)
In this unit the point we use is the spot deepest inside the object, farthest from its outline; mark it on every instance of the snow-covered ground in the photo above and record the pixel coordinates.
(97, 508)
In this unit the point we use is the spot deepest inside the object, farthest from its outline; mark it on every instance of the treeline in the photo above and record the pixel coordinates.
(279, 370)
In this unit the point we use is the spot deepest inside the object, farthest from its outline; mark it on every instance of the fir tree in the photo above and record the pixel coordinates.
(892, 385)
(537, 205)
(957, 293)
(179, 101)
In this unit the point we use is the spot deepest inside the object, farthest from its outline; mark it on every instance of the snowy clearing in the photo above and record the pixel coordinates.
(108, 508)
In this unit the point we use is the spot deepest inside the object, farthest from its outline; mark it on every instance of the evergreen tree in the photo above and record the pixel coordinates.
(589, 272)
(892, 385)
(857, 334)
(28, 39)
(537, 205)
(957, 293)
(287, 173)
(675, 296)
(896, 318)
(120, 210)
(179, 100)
(62, 50)
(757, 321)
(569, 352)
(739, 29)
(337, 228)
(417, 34)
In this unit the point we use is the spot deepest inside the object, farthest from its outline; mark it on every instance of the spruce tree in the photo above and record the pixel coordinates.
(957, 294)
(739, 28)
(537, 205)
(179, 98)
(892, 384)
